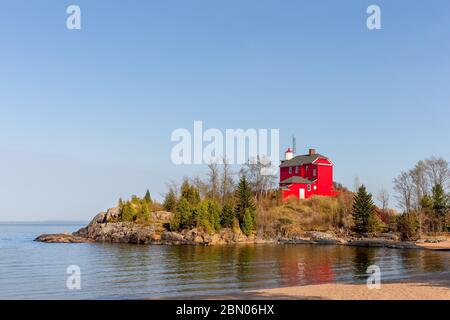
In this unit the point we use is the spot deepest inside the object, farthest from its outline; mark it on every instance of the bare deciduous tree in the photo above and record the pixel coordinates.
(226, 182)
(200, 185)
(260, 177)
(174, 186)
(356, 184)
(438, 171)
(404, 186)
(213, 180)
(421, 183)
(383, 198)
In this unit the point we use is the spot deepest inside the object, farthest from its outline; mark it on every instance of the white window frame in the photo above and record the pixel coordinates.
(296, 169)
(290, 170)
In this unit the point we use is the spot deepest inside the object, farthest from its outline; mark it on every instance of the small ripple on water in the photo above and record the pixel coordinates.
(30, 270)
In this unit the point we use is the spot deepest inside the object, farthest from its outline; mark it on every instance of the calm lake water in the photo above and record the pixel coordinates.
(33, 270)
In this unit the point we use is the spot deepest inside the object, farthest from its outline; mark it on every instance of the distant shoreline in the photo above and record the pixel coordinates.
(49, 222)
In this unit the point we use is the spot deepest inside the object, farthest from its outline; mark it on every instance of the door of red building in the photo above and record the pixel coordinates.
(301, 193)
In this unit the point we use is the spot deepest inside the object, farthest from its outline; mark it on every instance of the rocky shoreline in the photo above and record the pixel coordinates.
(104, 228)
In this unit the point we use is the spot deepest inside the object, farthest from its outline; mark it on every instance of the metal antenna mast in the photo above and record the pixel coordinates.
(294, 145)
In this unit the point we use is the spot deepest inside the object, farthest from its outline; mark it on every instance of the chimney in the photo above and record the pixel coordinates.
(312, 152)
(288, 155)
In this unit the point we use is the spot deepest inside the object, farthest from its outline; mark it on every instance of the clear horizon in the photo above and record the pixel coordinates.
(87, 115)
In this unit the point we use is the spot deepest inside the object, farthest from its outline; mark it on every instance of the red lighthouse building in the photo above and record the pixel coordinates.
(306, 175)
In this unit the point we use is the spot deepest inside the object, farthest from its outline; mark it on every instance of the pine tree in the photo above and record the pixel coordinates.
(190, 193)
(135, 200)
(148, 197)
(201, 216)
(145, 212)
(174, 223)
(426, 203)
(170, 201)
(363, 211)
(214, 214)
(244, 200)
(227, 216)
(247, 225)
(184, 213)
(128, 212)
(440, 204)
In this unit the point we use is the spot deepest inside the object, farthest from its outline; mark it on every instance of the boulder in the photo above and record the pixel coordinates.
(61, 238)
(162, 216)
(170, 236)
(322, 237)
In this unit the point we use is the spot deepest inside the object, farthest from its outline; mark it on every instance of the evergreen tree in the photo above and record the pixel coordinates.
(190, 193)
(184, 213)
(408, 226)
(214, 214)
(247, 225)
(145, 212)
(426, 203)
(170, 201)
(201, 216)
(194, 198)
(148, 197)
(440, 204)
(227, 216)
(135, 200)
(174, 223)
(363, 211)
(244, 200)
(128, 212)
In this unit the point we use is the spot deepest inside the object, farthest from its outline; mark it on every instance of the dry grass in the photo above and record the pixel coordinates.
(294, 216)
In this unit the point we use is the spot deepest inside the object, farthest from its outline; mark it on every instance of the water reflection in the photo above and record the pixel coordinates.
(362, 258)
(138, 271)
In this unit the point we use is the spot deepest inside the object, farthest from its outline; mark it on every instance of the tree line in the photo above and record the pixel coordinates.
(423, 195)
(137, 209)
(219, 202)
(211, 213)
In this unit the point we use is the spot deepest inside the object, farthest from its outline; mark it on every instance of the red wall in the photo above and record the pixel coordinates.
(302, 172)
(324, 176)
(325, 180)
(294, 190)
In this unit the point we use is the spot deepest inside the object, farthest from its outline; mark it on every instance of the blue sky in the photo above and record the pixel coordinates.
(86, 116)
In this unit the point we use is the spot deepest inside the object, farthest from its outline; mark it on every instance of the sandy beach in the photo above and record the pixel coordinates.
(435, 288)
(445, 245)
